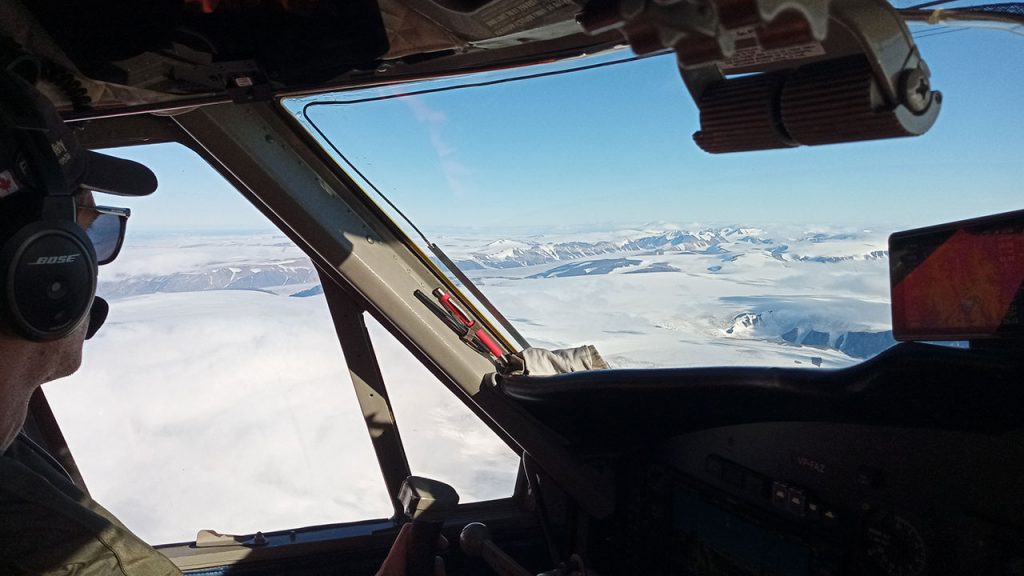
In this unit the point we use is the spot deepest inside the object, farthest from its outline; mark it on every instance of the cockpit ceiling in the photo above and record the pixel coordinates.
(101, 55)
(147, 53)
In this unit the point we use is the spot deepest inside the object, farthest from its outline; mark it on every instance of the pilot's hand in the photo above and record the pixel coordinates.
(395, 563)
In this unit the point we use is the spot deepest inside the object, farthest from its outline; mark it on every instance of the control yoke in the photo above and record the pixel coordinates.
(426, 502)
(804, 72)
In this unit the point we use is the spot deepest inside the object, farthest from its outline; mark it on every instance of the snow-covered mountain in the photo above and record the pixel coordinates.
(177, 263)
(264, 263)
(810, 332)
(250, 276)
(693, 296)
(726, 241)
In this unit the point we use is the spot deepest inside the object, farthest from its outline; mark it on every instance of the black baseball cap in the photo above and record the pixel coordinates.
(26, 117)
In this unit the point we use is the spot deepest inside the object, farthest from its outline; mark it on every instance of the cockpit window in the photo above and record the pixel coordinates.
(581, 207)
(216, 396)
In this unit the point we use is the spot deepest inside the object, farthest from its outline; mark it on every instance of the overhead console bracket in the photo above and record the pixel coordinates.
(771, 74)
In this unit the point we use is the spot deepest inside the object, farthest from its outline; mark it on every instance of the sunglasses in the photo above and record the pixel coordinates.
(105, 226)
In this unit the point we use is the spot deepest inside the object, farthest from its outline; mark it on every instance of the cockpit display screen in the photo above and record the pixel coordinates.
(959, 281)
(708, 540)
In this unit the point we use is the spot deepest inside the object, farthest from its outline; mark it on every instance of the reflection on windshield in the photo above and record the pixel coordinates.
(580, 206)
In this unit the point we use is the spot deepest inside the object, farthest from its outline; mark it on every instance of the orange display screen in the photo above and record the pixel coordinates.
(959, 281)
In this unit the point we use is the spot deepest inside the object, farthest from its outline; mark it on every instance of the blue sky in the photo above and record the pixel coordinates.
(613, 147)
(191, 195)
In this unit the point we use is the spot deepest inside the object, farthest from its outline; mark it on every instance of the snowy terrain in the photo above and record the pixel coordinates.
(723, 296)
(219, 375)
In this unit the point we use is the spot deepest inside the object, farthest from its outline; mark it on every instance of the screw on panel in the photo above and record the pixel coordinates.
(915, 90)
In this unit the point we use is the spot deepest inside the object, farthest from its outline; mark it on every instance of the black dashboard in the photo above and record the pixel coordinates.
(822, 499)
(911, 464)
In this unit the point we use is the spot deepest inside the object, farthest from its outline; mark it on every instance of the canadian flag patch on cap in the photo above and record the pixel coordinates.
(8, 185)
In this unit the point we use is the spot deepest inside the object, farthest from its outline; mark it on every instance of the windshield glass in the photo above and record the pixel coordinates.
(581, 207)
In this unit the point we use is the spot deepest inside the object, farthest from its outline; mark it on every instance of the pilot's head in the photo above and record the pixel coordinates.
(52, 235)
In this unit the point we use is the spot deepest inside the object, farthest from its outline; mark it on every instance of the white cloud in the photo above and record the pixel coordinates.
(456, 173)
(234, 411)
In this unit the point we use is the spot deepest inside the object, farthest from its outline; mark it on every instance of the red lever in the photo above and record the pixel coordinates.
(479, 333)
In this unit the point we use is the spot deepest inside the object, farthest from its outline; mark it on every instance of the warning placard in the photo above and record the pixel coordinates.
(754, 56)
(503, 18)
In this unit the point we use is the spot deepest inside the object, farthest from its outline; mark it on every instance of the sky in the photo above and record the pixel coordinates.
(190, 195)
(613, 147)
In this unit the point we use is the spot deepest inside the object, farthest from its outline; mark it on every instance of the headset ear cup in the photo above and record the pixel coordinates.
(48, 270)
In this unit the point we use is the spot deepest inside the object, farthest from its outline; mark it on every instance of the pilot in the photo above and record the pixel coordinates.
(52, 238)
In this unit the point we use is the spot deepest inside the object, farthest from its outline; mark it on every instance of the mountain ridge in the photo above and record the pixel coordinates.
(507, 253)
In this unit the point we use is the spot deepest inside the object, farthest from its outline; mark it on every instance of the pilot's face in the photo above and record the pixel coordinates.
(25, 365)
(86, 216)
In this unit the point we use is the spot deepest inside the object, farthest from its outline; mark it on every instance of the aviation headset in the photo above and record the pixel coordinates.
(47, 263)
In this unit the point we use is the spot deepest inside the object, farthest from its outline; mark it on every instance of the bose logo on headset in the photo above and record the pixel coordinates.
(66, 259)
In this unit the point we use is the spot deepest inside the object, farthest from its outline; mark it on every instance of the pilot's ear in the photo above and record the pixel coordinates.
(85, 200)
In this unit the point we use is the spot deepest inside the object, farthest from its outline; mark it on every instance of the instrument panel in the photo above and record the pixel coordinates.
(826, 499)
